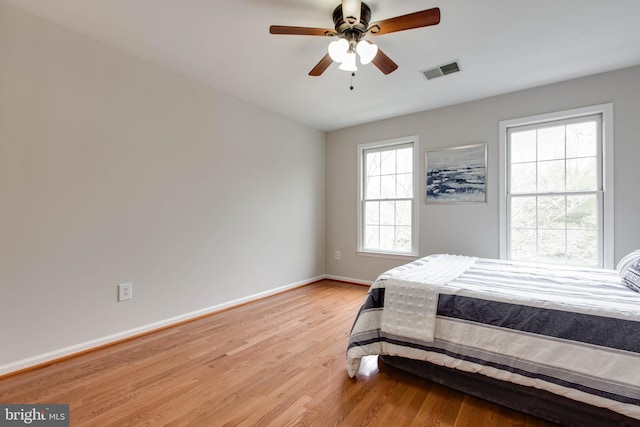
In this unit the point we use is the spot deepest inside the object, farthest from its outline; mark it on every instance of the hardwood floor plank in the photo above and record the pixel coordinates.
(274, 362)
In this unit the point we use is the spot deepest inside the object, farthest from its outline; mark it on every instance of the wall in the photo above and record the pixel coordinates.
(474, 229)
(113, 170)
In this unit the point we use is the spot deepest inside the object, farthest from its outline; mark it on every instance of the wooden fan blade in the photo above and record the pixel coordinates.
(321, 66)
(384, 63)
(300, 31)
(424, 18)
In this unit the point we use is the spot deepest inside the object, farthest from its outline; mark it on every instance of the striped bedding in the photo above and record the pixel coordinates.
(571, 331)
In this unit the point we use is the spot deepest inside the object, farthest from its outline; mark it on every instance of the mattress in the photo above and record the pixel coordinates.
(573, 332)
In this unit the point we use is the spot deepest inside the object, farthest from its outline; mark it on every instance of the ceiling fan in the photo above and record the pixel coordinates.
(351, 20)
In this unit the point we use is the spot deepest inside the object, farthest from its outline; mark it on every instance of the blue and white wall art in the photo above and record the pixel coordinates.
(457, 175)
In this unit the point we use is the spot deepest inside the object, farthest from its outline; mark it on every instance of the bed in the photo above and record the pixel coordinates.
(561, 343)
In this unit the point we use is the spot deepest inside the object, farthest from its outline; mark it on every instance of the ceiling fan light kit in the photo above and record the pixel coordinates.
(338, 50)
(367, 51)
(349, 62)
(342, 51)
(351, 21)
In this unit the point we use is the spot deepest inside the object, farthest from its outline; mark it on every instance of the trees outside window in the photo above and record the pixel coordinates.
(555, 205)
(387, 202)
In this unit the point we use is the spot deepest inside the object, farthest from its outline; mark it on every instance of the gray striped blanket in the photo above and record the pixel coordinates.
(570, 331)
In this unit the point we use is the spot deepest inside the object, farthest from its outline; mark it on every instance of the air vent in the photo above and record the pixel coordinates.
(441, 70)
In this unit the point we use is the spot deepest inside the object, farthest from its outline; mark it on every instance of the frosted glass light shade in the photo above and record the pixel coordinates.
(338, 49)
(367, 51)
(349, 63)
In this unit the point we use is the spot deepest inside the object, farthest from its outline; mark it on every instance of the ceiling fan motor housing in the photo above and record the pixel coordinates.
(348, 31)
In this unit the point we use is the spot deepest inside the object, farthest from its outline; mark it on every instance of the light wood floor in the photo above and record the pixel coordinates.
(278, 361)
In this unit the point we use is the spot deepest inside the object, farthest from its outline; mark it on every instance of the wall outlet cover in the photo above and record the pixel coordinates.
(125, 291)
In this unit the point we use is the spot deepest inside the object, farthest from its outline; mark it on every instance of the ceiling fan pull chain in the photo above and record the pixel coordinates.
(353, 74)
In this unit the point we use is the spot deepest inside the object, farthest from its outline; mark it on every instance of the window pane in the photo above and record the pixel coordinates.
(372, 188)
(523, 212)
(567, 229)
(551, 176)
(551, 212)
(404, 186)
(551, 143)
(582, 247)
(582, 174)
(523, 146)
(582, 140)
(405, 160)
(582, 212)
(372, 213)
(523, 244)
(388, 187)
(373, 164)
(551, 246)
(388, 162)
(403, 238)
(387, 213)
(523, 178)
(372, 237)
(403, 212)
(387, 238)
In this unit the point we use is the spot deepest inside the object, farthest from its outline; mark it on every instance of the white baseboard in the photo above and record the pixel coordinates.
(348, 279)
(42, 359)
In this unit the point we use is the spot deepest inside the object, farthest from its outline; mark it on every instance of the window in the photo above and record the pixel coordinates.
(555, 205)
(387, 210)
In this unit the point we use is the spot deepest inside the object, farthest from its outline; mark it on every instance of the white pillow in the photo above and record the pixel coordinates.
(626, 262)
(631, 277)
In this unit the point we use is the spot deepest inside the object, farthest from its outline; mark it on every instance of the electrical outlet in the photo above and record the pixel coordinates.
(337, 254)
(125, 291)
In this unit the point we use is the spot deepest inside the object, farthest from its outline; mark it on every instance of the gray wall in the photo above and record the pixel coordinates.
(114, 170)
(473, 229)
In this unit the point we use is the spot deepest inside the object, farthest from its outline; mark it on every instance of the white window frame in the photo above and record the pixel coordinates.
(409, 140)
(606, 112)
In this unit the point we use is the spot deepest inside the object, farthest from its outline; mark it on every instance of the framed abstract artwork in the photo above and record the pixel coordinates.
(457, 175)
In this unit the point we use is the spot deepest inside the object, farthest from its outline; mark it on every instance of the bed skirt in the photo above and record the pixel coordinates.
(532, 401)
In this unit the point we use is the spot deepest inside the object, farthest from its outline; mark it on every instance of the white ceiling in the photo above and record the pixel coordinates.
(502, 46)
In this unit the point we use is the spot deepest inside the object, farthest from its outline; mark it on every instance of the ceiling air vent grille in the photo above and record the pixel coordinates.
(441, 70)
